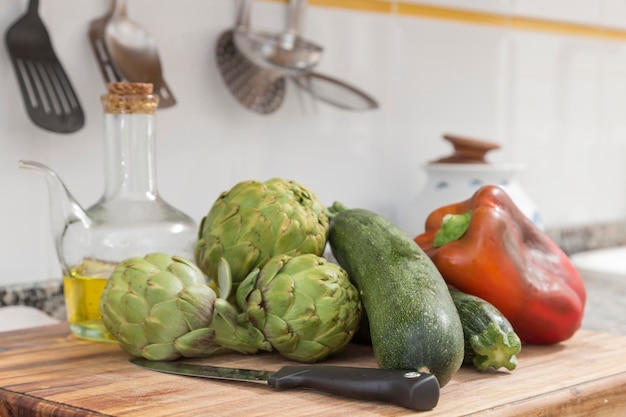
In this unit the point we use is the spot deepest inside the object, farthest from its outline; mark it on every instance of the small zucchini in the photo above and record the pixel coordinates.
(490, 341)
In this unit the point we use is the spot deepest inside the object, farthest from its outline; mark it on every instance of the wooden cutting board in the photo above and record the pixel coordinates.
(45, 372)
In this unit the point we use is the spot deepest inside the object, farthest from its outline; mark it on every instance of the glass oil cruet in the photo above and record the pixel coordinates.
(130, 219)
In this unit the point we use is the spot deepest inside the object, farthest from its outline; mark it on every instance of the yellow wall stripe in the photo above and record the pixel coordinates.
(446, 13)
(375, 6)
(474, 17)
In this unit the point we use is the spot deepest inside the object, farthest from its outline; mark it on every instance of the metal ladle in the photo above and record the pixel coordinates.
(286, 52)
(134, 53)
(98, 45)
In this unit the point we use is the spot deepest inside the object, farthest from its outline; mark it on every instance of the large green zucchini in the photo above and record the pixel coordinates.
(413, 322)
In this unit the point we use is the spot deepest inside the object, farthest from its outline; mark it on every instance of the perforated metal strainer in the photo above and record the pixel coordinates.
(258, 89)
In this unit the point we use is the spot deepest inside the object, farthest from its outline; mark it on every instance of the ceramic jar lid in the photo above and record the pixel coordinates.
(466, 150)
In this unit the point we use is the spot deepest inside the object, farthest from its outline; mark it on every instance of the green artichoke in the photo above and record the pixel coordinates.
(161, 308)
(305, 306)
(255, 221)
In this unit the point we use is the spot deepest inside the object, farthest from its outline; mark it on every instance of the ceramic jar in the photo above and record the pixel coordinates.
(457, 177)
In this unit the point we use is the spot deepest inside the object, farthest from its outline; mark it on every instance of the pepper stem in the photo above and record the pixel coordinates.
(453, 227)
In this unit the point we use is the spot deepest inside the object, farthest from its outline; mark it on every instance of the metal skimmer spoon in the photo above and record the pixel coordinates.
(256, 88)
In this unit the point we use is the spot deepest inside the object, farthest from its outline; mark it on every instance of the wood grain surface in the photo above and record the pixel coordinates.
(46, 372)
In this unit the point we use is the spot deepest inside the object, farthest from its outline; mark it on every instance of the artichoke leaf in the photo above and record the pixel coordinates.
(200, 342)
(159, 352)
(282, 296)
(196, 304)
(242, 258)
(270, 270)
(224, 279)
(308, 352)
(133, 307)
(165, 323)
(186, 272)
(255, 310)
(132, 337)
(278, 333)
(246, 287)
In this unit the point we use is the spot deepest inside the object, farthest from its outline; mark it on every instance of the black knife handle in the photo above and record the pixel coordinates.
(414, 390)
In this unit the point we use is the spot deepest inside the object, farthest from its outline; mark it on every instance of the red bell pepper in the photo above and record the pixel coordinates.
(485, 246)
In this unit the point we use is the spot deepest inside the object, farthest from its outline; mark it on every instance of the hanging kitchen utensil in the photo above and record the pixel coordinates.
(49, 97)
(303, 97)
(335, 92)
(135, 54)
(285, 51)
(257, 89)
(98, 45)
(322, 87)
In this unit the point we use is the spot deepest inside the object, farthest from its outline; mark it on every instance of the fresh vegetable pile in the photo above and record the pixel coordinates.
(480, 281)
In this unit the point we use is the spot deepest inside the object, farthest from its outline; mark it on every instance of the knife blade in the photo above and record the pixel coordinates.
(410, 389)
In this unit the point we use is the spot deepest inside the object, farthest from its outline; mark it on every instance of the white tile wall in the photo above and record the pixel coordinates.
(555, 102)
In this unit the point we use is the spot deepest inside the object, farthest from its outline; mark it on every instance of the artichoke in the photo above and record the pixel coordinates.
(161, 308)
(305, 306)
(255, 221)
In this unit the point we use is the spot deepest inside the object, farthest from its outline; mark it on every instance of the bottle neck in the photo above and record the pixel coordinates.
(129, 158)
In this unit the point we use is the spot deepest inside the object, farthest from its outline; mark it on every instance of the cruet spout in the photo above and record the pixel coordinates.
(64, 209)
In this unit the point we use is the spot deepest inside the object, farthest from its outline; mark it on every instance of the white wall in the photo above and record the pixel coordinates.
(556, 102)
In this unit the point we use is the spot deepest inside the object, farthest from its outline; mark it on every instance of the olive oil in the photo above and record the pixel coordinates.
(83, 289)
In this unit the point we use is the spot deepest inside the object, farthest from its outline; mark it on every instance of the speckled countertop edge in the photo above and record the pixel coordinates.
(584, 238)
(48, 296)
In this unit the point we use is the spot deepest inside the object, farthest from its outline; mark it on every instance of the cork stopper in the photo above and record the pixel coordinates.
(467, 151)
(130, 98)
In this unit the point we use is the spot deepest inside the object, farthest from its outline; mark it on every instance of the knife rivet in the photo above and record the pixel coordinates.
(412, 374)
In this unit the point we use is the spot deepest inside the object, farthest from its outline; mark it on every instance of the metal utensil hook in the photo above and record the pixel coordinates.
(119, 8)
(33, 5)
(242, 21)
(295, 10)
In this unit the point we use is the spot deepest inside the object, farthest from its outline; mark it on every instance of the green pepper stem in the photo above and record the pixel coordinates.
(453, 227)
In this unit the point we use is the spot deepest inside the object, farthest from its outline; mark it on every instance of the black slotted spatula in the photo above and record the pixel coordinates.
(48, 95)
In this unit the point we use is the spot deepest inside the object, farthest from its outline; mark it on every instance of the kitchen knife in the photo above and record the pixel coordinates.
(410, 389)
